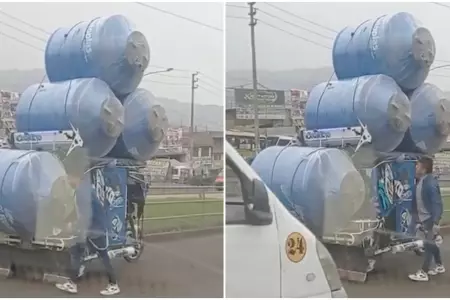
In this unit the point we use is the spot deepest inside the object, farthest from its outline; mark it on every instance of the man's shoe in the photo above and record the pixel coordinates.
(419, 276)
(111, 289)
(68, 287)
(439, 269)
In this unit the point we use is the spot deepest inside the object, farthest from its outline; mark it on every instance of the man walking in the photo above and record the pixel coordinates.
(428, 209)
(91, 226)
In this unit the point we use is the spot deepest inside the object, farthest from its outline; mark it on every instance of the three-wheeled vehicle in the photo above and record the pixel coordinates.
(118, 184)
(383, 223)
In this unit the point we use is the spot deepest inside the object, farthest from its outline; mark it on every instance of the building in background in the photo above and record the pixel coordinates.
(171, 146)
(208, 150)
(8, 104)
(298, 100)
(173, 159)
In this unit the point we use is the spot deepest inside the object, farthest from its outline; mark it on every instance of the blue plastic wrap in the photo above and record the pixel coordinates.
(318, 185)
(394, 45)
(430, 126)
(28, 180)
(101, 195)
(111, 186)
(107, 48)
(375, 100)
(145, 126)
(87, 104)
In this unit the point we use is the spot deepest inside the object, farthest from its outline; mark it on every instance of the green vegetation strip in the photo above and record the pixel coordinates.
(446, 216)
(172, 214)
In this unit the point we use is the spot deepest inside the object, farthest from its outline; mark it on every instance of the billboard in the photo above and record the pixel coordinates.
(272, 104)
(172, 142)
(158, 169)
(265, 97)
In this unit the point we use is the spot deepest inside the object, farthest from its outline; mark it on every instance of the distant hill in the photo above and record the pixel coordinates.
(206, 116)
(303, 79)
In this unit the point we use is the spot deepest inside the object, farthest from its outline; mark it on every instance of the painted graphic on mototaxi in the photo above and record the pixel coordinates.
(394, 188)
(110, 187)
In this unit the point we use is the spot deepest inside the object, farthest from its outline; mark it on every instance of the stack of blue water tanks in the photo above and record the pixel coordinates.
(379, 65)
(94, 69)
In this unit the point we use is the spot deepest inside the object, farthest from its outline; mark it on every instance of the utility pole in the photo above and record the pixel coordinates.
(194, 86)
(252, 24)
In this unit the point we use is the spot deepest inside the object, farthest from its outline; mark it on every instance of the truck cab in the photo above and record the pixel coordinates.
(269, 253)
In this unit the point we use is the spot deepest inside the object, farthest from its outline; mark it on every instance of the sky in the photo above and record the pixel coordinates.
(278, 50)
(174, 42)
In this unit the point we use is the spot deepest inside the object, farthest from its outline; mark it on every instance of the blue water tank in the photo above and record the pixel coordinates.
(107, 48)
(318, 185)
(375, 100)
(430, 125)
(28, 199)
(88, 104)
(146, 124)
(395, 45)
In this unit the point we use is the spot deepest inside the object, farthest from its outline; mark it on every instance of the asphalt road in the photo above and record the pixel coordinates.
(391, 279)
(182, 268)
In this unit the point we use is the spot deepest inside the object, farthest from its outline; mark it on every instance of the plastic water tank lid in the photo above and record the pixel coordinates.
(138, 51)
(399, 112)
(157, 122)
(423, 47)
(443, 117)
(112, 114)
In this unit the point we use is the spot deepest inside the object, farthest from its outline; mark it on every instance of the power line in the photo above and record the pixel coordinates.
(440, 67)
(443, 61)
(295, 25)
(215, 81)
(168, 83)
(24, 22)
(440, 4)
(23, 31)
(210, 85)
(439, 75)
(171, 76)
(301, 18)
(20, 41)
(236, 6)
(179, 16)
(211, 92)
(211, 78)
(236, 17)
(294, 35)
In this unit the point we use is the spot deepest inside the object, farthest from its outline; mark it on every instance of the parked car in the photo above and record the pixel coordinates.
(218, 183)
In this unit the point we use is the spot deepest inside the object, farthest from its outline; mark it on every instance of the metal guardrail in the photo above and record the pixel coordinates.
(200, 225)
(201, 191)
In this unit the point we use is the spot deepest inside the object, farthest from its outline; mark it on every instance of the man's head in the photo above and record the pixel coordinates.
(76, 164)
(424, 166)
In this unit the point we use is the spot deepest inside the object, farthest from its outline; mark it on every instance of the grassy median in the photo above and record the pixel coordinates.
(175, 208)
(446, 215)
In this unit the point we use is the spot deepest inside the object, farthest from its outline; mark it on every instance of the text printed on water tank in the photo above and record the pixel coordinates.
(374, 38)
(88, 42)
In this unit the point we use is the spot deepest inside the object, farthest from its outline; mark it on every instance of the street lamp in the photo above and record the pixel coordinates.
(161, 71)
